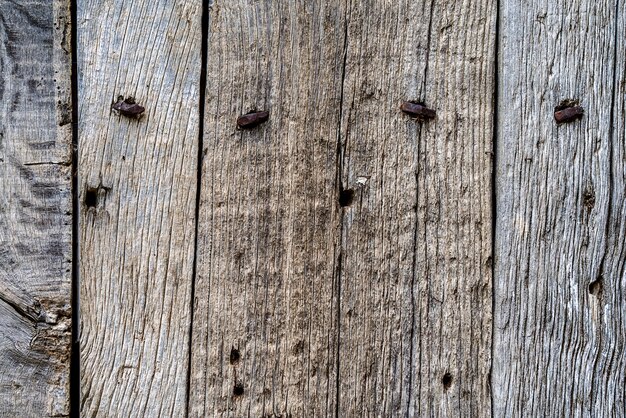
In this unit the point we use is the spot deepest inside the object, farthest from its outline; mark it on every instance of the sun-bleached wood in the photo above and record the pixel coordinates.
(137, 193)
(415, 315)
(559, 330)
(35, 208)
(264, 331)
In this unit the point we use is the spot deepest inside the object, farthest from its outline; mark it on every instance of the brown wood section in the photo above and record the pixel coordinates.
(264, 332)
(415, 282)
(137, 194)
(35, 208)
(560, 230)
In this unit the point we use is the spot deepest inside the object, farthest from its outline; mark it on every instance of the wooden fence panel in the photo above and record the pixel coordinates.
(137, 191)
(415, 315)
(264, 332)
(559, 275)
(35, 208)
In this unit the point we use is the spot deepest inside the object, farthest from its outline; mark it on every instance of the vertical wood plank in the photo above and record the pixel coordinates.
(137, 185)
(415, 315)
(35, 208)
(559, 296)
(264, 332)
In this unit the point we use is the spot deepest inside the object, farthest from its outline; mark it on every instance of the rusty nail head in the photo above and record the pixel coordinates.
(252, 119)
(568, 111)
(418, 110)
(128, 107)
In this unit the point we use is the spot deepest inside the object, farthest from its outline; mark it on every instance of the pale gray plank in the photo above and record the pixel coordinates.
(137, 241)
(559, 274)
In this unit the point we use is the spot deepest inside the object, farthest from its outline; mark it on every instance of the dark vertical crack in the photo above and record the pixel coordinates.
(609, 215)
(202, 98)
(494, 206)
(415, 232)
(75, 350)
(339, 188)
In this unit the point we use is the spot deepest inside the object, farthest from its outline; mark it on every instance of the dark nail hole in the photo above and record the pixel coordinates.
(238, 389)
(595, 287)
(91, 197)
(346, 197)
(447, 381)
(234, 356)
(589, 199)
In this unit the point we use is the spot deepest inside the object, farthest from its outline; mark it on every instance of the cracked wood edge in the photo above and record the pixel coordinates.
(560, 250)
(35, 208)
(269, 219)
(137, 190)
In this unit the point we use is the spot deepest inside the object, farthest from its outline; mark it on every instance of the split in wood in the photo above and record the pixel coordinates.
(418, 111)
(568, 111)
(128, 107)
(252, 119)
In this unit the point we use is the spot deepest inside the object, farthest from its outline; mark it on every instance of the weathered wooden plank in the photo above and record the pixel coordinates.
(137, 186)
(264, 332)
(35, 208)
(559, 333)
(415, 334)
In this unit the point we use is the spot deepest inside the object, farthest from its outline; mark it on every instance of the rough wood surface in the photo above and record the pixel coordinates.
(415, 334)
(137, 189)
(264, 332)
(35, 208)
(559, 331)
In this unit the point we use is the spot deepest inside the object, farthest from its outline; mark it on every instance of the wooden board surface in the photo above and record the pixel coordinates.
(415, 315)
(137, 190)
(35, 208)
(560, 253)
(264, 332)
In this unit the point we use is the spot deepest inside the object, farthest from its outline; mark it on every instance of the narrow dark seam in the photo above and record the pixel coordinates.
(609, 215)
(494, 196)
(75, 349)
(413, 279)
(339, 181)
(202, 97)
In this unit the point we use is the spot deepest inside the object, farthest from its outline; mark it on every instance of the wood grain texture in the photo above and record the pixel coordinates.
(415, 314)
(264, 332)
(559, 332)
(137, 188)
(35, 208)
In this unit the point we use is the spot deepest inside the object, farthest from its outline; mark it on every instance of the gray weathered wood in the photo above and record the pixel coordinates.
(269, 218)
(559, 330)
(137, 189)
(35, 208)
(415, 334)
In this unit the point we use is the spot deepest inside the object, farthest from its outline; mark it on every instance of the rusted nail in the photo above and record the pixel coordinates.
(418, 111)
(128, 107)
(568, 111)
(252, 119)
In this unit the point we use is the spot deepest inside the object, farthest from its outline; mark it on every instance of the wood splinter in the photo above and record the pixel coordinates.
(418, 111)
